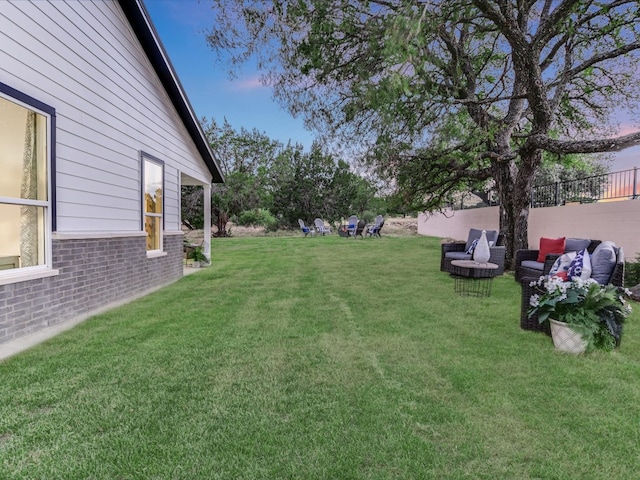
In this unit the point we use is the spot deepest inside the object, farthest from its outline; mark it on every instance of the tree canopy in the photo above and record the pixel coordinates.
(445, 95)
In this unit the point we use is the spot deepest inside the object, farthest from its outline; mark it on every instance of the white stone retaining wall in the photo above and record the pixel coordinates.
(616, 221)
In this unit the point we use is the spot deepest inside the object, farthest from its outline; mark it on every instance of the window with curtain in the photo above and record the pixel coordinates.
(153, 176)
(24, 195)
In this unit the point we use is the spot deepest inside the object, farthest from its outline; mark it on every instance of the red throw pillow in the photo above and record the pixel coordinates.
(550, 245)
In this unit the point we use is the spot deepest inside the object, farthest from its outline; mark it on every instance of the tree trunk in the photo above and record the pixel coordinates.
(221, 222)
(515, 185)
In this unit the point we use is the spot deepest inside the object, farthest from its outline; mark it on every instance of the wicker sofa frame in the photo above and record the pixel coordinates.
(498, 252)
(523, 255)
(531, 323)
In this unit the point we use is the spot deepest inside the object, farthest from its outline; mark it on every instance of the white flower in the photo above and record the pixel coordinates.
(534, 301)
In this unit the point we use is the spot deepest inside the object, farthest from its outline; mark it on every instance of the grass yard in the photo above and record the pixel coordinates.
(319, 358)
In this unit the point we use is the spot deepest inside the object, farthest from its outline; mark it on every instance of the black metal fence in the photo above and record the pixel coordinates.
(610, 186)
(614, 185)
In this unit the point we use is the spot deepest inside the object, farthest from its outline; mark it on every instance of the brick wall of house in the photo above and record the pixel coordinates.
(93, 274)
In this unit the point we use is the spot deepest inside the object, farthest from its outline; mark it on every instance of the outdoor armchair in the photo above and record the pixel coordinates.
(321, 228)
(352, 225)
(374, 229)
(306, 230)
(458, 251)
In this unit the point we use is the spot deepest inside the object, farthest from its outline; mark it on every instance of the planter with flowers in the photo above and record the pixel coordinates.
(584, 315)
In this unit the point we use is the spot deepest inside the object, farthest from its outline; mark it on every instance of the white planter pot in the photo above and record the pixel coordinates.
(566, 339)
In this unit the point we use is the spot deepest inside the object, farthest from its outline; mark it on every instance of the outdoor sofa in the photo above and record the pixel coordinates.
(528, 262)
(607, 263)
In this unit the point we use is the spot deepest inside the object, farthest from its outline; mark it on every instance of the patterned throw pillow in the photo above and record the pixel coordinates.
(472, 247)
(561, 266)
(581, 265)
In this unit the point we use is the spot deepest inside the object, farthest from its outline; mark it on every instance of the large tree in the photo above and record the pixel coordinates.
(445, 95)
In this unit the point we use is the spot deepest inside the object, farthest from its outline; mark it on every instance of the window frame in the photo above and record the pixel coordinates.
(144, 158)
(23, 100)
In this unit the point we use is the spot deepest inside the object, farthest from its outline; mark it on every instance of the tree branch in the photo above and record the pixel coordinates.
(604, 56)
(584, 146)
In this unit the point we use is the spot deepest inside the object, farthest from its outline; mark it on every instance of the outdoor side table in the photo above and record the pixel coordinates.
(472, 279)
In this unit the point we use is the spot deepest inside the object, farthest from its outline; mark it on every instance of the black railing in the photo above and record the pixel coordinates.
(609, 186)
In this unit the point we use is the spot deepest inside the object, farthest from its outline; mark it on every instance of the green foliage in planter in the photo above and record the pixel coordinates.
(595, 311)
(198, 255)
(632, 272)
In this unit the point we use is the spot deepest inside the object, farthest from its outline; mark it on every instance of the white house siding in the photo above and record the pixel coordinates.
(83, 59)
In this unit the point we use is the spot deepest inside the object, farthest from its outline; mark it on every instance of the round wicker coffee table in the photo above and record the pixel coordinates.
(473, 279)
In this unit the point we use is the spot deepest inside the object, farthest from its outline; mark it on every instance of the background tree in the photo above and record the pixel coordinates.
(314, 184)
(192, 210)
(444, 95)
(246, 158)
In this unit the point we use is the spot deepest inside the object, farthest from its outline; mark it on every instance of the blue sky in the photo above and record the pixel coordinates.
(243, 101)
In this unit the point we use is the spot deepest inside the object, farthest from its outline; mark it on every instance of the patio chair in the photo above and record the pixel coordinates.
(352, 224)
(463, 251)
(607, 266)
(321, 228)
(535, 263)
(374, 229)
(306, 230)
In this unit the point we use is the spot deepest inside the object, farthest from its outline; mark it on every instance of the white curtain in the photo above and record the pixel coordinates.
(29, 189)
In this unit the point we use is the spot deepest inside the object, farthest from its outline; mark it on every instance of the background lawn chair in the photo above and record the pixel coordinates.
(375, 228)
(306, 230)
(321, 228)
(352, 225)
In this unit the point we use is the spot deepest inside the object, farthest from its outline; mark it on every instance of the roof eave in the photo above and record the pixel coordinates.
(148, 37)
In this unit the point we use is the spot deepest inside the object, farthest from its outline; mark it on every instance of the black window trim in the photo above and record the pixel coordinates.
(51, 112)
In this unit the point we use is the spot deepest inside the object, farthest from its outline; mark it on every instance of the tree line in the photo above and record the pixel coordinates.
(271, 184)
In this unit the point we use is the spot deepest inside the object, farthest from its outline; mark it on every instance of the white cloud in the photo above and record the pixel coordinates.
(251, 83)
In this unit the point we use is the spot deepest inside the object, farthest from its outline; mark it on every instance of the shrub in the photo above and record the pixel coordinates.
(258, 217)
(368, 216)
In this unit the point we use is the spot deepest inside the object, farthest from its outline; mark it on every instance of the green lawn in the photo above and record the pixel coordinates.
(310, 358)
